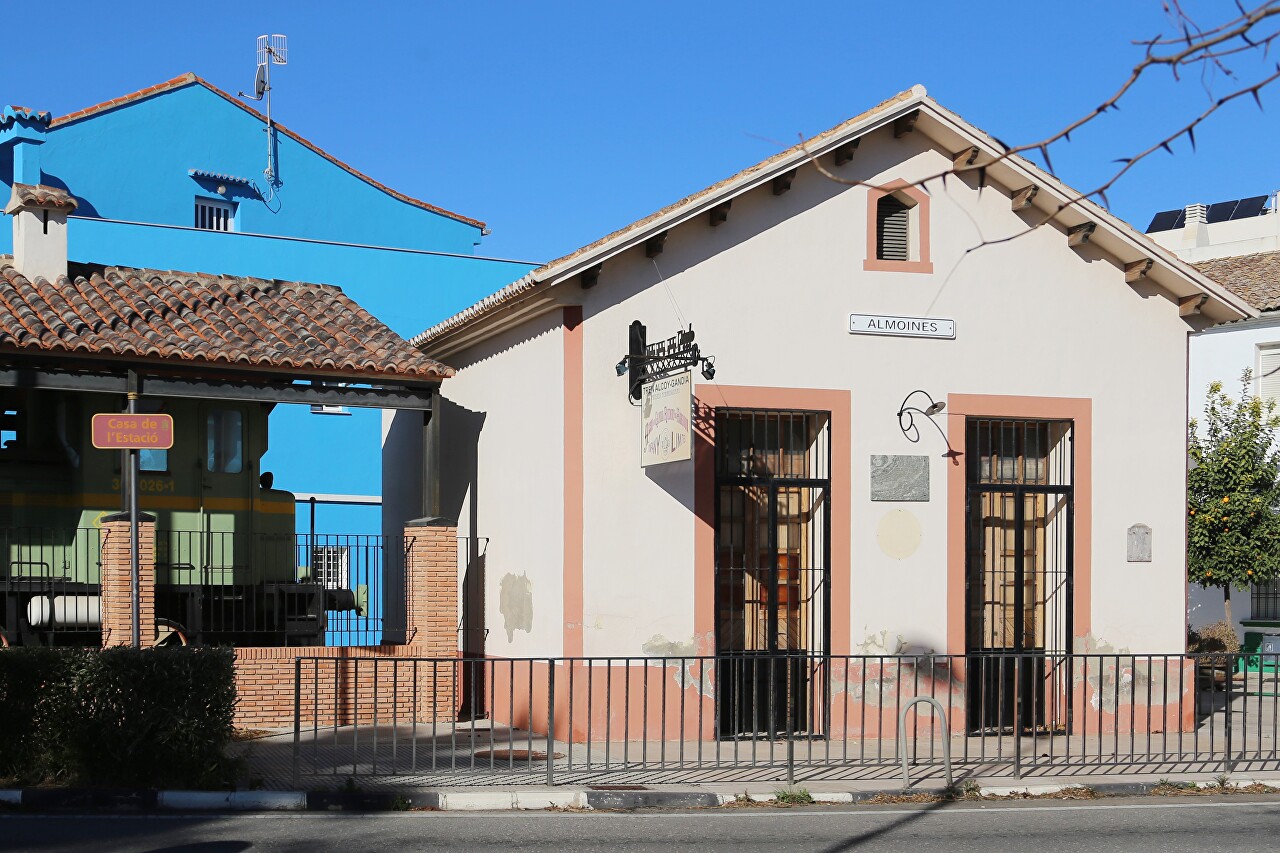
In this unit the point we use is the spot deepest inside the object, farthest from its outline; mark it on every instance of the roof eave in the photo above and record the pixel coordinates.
(1117, 237)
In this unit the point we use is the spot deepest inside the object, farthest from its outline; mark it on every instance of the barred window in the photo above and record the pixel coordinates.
(1265, 600)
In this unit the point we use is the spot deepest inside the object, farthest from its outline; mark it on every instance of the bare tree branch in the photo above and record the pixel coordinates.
(1251, 32)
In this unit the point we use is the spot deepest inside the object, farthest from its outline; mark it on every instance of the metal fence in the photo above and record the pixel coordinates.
(775, 717)
(49, 580)
(272, 589)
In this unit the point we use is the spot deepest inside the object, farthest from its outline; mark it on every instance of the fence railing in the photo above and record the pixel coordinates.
(49, 585)
(771, 717)
(272, 589)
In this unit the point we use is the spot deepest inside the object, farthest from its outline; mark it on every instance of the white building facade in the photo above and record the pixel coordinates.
(825, 505)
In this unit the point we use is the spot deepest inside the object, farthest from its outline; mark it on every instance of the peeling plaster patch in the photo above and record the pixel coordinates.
(659, 646)
(878, 644)
(1118, 680)
(515, 603)
(695, 672)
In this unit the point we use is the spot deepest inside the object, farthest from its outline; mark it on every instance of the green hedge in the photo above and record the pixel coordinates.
(118, 717)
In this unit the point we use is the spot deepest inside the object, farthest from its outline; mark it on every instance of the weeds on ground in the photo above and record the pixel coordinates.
(792, 796)
(1220, 785)
(400, 803)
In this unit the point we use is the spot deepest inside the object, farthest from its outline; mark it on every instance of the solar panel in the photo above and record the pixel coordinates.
(1250, 207)
(1164, 221)
(1220, 211)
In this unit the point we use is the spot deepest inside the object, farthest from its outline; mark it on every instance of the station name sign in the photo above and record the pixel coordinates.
(911, 327)
(133, 432)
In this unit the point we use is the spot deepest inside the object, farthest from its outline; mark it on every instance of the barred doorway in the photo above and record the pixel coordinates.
(773, 521)
(1018, 578)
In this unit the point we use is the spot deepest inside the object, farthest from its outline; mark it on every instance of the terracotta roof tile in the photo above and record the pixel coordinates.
(195, 318)
(39, 195)
(1254, 278)
(189, 79)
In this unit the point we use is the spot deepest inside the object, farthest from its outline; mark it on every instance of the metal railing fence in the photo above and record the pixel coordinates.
(49, 582)
(773, 717)
(273, 589)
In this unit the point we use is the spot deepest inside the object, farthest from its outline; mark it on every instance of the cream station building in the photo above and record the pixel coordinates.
(886, 439)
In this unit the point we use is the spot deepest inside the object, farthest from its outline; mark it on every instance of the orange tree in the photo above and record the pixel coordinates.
(1233, 493)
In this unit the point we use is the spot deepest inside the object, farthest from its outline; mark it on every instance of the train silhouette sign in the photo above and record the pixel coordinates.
(133, 432)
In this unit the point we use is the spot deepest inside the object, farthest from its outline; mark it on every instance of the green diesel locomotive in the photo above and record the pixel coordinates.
(229, 566)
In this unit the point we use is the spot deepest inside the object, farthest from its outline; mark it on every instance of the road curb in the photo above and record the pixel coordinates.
(513, 799)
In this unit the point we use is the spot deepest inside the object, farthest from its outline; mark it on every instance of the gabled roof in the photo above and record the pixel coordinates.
(948, 131)
(1255, 278)
(198, 320)
(190, 79)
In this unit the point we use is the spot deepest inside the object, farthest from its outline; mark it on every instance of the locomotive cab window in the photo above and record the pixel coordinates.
(225, 441)
(9, 432)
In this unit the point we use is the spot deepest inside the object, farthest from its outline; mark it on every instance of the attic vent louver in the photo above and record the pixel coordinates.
(893, 236)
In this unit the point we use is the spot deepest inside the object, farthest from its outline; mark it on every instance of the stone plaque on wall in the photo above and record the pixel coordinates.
(1139, 544)
(899, 478)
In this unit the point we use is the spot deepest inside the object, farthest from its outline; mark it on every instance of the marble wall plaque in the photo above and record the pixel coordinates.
(899, 478)
(1139, 544)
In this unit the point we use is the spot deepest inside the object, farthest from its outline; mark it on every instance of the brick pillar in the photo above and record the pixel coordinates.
(431, 586)
(431, 614)
(117, 596)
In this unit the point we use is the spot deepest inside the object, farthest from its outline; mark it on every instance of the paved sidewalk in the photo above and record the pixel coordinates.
(423, 757)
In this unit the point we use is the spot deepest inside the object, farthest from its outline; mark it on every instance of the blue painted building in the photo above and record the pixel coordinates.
(172, 177)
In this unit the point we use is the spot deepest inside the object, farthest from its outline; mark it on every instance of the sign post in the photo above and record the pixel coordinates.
(132, 432)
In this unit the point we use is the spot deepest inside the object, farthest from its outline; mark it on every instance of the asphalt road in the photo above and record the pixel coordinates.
(1131, 826)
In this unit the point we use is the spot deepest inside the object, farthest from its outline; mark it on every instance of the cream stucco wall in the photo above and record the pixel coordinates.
(503, 458)
(768, 293)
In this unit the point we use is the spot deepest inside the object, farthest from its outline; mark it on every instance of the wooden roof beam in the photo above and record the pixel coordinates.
(1190, 305)
(782, 182)
(1137, 270)
(844, 153)
(1078, 235)
(965, 159)
(654, 245)
(902, 125)
(1022, 198)
(719, 213)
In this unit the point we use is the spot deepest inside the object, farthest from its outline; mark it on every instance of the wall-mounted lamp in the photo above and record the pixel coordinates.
(709, 368)
(621, 366)
(222, 189)
(906, 415)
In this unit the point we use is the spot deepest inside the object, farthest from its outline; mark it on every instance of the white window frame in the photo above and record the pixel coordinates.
(331, 566)
(218, 215)
(1261, 351)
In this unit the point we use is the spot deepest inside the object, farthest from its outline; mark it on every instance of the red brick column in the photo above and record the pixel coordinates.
(431, 587)
(117, 596)
(431, 611)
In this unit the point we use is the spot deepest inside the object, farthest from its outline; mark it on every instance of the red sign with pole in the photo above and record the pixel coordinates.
(133, 432)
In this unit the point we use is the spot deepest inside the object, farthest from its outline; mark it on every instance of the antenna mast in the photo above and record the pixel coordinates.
(272, 50)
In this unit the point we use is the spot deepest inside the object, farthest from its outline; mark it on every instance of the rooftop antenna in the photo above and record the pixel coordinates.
(272, 50)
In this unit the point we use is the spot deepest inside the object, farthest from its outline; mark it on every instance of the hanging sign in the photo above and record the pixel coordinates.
(665, 408)
(133, 432)
(911, 327)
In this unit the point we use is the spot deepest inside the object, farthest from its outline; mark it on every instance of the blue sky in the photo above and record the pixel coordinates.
(557, 122)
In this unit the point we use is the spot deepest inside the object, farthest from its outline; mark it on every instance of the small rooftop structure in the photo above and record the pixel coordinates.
(1202, 232)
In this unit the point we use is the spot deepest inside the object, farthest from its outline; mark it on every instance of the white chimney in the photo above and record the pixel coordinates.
(40, 230)
(1195, 230)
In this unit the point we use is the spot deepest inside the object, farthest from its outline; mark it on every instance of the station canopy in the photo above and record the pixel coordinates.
(174, 334)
